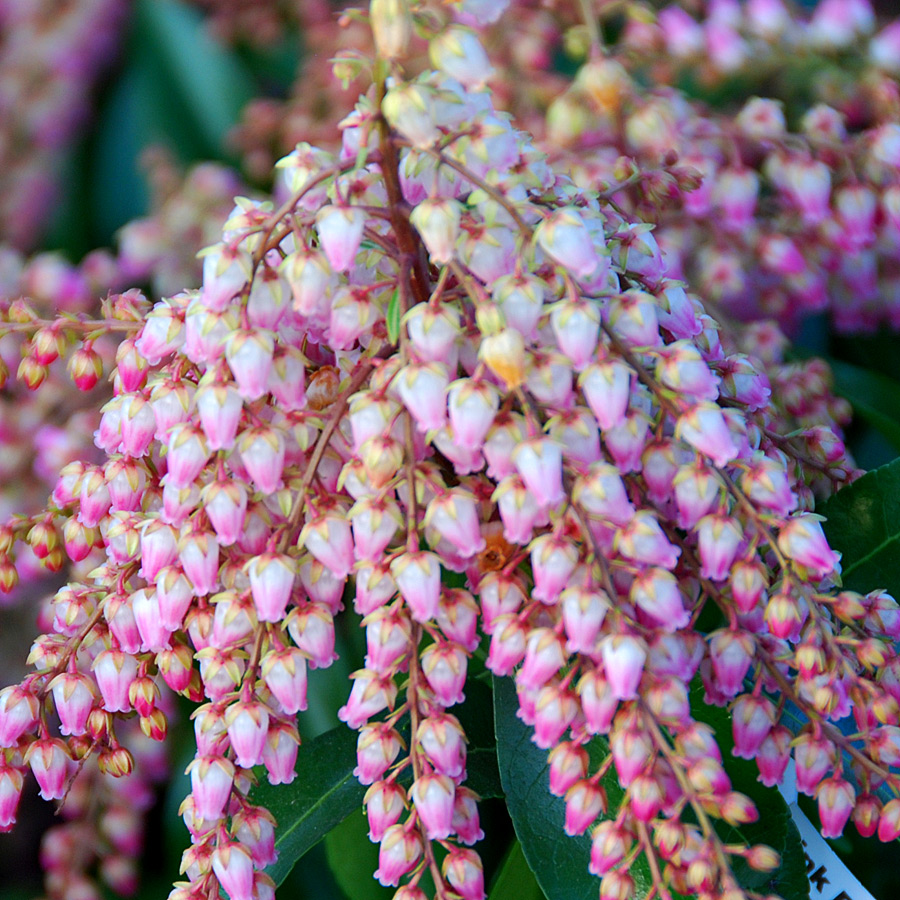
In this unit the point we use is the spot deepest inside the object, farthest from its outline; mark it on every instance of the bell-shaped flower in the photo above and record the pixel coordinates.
(437, 221)
(340, 230)
(418, 577)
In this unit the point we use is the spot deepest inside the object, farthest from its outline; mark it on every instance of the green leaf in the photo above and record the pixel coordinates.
(875, 397)
(559, 862)
(322, 795)
(863, 523)
(774, 827)
(392, 318)
(515, 881)
(352, 858)
(326, 791)
(211, 81)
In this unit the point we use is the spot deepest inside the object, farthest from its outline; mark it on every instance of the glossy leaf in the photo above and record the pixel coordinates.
(863, 523)
(325, 790)
(875, 397)
(322, 795)
(352, 858)
(559, 862)
(515, 881)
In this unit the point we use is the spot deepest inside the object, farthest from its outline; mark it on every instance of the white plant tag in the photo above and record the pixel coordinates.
(829, 878)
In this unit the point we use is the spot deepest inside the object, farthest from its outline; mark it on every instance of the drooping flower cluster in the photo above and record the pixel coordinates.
(441, 354)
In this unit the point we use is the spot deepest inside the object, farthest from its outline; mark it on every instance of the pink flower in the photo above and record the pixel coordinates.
(539, 462)
(433, 797)
(247, 724)
(418, 577)
(400, 850)
(51, 764)
(802, 540)
(340, 230)
(233, 866)
(623, 661)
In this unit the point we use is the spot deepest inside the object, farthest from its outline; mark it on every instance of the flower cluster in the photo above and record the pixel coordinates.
(446, 352)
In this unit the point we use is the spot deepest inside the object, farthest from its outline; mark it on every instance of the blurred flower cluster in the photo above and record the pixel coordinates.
(490, 388)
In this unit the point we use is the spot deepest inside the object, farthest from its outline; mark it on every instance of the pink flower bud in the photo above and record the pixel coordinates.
(175, 594)
(553, 559)
(198, 553)
(249, 355)
(521, 300)
(444, 666)
(814, 758)
(718, 537)
(565, 238)
(457, 617)
(632, 753)
(704, 427)
(433, 797)
(568, 764)
(608, 843)
(802, 540)
(187, 455)
(388, 636)
(646, 797)
(507, 645)
(643, 540)
(284, 672)
(576, 326)
(472, 404)
(602, 493)
(598, 703)
(418, 577)
(19, 710)
(623, 661)
(371, 693)
(422, 387)
(233, 866)
(376, 750)
(462, 869)
(328, 539)
(73, 695)
(554, 711)
(219, 407)
(773, 756)
(138, 424)
(385, 802)
(155, 637)
(400, 851)
(279, 754)
(225, 504)
(437, 220)
(583, 614)
(247, 724)
(159, 548)
(11, 782)
(272, 578)
(340, 230)
(312, 629)
(454, 515)
(836, 799)
(607, 387)
(752, 719)
(51, 764)
(731, 653)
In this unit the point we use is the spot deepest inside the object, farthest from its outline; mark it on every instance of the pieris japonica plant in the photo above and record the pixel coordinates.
(446, 386)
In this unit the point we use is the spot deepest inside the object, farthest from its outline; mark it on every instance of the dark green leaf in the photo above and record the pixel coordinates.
(774, 827)
(515, 881)
(352, 858)
(864, 525)
(325, 790)
(392, 318)
(875, 397)
(559, 862)
(209, 80)
(322, 795)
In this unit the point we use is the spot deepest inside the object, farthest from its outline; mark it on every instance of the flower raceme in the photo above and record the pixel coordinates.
(443, 355)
